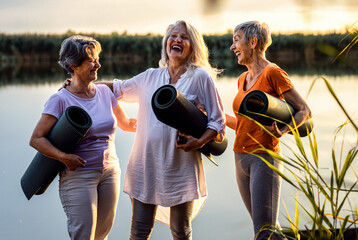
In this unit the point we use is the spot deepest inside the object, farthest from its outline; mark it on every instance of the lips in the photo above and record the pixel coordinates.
(177, 48)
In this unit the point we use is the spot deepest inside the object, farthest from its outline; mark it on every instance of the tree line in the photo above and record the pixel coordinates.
(125, 47)
(26, 55)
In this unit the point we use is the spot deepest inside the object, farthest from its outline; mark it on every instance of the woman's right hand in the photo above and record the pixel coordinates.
(73, 161)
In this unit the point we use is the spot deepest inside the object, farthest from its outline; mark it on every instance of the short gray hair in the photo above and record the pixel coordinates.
(256, 29)
(76, 49)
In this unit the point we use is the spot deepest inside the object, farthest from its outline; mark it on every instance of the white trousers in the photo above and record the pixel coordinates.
(90, 198)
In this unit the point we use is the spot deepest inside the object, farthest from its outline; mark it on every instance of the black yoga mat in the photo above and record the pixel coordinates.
(272, 107)
(173, 109)
(65, 135)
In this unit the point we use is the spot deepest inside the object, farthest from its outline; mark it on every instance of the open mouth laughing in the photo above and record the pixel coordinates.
(177, 48)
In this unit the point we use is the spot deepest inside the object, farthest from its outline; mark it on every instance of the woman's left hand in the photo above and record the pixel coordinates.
(191, 143)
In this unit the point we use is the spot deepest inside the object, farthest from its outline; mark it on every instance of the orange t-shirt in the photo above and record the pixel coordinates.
(274, 81)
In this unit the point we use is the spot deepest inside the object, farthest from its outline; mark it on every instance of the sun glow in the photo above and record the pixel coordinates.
(141, 16)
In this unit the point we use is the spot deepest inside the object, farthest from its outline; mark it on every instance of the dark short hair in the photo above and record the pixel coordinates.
(76, 49)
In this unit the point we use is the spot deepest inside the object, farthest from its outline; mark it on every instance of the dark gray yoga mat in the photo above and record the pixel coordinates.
(272, 107)
(65, 135)
(173, 109)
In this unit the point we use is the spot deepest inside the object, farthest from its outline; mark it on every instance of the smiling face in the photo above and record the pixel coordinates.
(87, 71)
(178, 45)
(241, 48)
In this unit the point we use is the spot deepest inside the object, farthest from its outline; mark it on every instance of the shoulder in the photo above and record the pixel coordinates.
(273, 69)
(242, 78)
(201, 73)
(199, 76)
(150, 73)
(58, 96)
(55, 104)
(102, 87)
(278, 79)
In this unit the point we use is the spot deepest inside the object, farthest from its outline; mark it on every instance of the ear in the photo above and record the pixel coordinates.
(253, 42)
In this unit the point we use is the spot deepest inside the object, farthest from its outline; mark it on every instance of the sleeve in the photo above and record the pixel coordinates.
(108, 94)
(114, 101)
(280, 81)
(213, 106)
(54, 106)
(128, 90)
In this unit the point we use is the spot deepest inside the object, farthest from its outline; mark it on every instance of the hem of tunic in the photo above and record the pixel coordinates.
(164, 211)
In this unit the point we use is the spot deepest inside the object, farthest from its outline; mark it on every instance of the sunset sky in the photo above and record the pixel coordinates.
(144, 16)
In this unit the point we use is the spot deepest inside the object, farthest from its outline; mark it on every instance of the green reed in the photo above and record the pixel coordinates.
(320, 198)
(324, 199)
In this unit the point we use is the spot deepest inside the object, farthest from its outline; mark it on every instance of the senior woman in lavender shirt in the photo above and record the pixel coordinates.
(89, 186)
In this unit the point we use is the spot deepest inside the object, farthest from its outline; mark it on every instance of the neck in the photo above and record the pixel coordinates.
(257, 65)
(81, 88)
(175, 71)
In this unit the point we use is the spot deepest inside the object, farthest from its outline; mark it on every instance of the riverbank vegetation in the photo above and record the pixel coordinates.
(127, 55)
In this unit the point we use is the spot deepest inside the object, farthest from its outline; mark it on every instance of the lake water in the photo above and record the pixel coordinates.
(223, 216)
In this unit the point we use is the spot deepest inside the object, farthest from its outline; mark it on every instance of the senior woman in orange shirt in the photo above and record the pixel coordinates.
(259, 186)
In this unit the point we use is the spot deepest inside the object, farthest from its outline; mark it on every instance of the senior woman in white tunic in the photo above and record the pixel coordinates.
(162, 174)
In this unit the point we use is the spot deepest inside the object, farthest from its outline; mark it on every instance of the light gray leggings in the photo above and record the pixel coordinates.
(260, 189)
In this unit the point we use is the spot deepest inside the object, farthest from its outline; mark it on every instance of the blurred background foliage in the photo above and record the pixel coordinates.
(24, 58)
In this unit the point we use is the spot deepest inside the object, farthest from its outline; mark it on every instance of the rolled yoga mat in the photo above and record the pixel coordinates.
(173, 109)
(272, 107)
(65, 135)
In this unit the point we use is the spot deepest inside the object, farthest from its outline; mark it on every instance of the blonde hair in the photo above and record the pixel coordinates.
(199, 57)
(256, 29)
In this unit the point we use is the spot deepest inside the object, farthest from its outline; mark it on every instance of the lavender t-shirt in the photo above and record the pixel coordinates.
(97, 147)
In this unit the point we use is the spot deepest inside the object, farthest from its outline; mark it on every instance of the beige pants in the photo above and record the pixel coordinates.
(89, 198)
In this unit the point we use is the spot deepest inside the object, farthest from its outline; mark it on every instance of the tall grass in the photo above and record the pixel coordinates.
(325, 200)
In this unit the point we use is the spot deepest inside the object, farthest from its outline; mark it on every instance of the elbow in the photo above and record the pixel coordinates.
(32, 142)
(308, 113)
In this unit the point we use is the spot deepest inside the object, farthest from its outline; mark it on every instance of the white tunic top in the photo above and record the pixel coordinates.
(157, 172)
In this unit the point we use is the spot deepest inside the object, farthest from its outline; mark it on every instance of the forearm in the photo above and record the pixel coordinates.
(230, 121)
(45, 147)
(302, 111)
(207, 136)
(123, 122)
(300, 117)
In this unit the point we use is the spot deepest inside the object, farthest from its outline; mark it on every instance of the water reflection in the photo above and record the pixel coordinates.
(43, 216)
(40, 73)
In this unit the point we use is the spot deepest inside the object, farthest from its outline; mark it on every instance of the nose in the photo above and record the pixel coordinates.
(178, 39)
(232, 47)
(97, 64)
